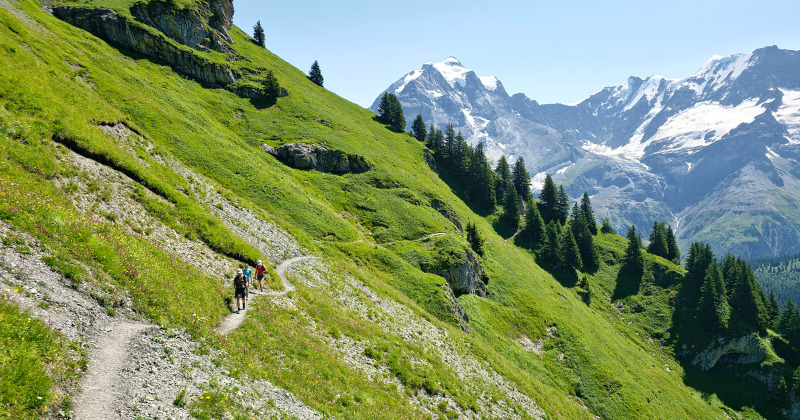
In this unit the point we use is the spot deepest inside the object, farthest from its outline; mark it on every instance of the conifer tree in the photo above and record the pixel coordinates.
(584, 239)
(521, 179)
(548, 200)
(773, 309)
(731, 275)
(474, 238)
(511, 208)
(391, 112)
(481, 179)
(570, 255)
(586, 207)
(548, 252)
(258, 34)
(534, 232)
(713, 310)
(562, 205)
(658, 240)
(459, 157)
(449, 144)
(789, 319)
(431, 137)
(503, 172)
(633, 262)
(697, 262)
(418, 128)
(747, 299)
(315, 75)
(272, 89)
(606, 228)
(673, 253)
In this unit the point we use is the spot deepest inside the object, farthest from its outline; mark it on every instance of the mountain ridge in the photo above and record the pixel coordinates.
(642, 148)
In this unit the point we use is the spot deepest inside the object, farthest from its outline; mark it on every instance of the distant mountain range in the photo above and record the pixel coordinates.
(715, 154)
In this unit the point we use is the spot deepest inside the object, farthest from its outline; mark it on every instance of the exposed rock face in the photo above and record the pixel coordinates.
(204, 26)
(458, 311)
(467, 276)
(446, 210)
(312, 156)
(742, 350)
(122, 32)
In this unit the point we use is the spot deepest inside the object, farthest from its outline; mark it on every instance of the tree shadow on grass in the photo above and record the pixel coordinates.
(263, 102)
(628, 283)
(567, 278)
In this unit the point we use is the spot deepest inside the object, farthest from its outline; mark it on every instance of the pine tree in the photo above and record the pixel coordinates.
(588, 213)
(748, 301)
(534, 232)
(673, 253)
(658, 240)
(258, 34)
(484, 179)
(584, 239)
(548, 252)
(562, 205)
(511, 208)
(418, 129)
(713, 310)
(272, 89)
(633, 262)
(773, 309)
(789, 319)
(391, 112)
(459, 158)
(731, 275)
(569, 254)
(474, 238)
(548, 200)
(521, 179)
(315, 75)
(449, 144)
(503, 172)
(606, 228)
(697, 262)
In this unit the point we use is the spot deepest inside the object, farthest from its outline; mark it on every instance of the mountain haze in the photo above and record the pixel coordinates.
(714, 154)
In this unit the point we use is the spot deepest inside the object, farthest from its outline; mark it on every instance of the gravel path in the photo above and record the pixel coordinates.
(232, 321)
(100, 394)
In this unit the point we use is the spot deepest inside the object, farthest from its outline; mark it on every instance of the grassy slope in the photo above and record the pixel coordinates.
(592, 352)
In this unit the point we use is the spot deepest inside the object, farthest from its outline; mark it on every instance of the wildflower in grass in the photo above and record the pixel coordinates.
(16, 290)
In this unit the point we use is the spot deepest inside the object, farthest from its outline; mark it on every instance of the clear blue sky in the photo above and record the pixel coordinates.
(554, 51)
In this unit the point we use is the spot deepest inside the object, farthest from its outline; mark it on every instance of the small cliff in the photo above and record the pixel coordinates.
(185, 38)
(742, 350)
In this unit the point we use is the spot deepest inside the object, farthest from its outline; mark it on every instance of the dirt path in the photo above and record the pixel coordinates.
(505, 241)
(232, 321)
(100, 387)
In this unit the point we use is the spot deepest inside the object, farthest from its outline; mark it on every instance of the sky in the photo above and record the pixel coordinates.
(553, 51)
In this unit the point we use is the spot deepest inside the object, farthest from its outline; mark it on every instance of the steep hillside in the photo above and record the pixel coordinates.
(132, 189)
(714, 154)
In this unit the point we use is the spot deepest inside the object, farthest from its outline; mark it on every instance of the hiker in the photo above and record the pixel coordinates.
(240, 289)
(248, 273)
(261, 271)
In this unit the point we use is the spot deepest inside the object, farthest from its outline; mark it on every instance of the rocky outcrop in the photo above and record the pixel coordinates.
(742, 350)
(466, 276)
(204, 25)
(446, 210)
(312, 156)
(124, 32)
(458, 311)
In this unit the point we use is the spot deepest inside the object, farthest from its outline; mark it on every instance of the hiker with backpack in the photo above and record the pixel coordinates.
(240, 288)
(248, 273)
(261, 271)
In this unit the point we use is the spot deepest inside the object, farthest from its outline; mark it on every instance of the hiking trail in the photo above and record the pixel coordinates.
(101, 386)
(232, 321)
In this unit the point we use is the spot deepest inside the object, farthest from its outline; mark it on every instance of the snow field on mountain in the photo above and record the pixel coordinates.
(789, 114)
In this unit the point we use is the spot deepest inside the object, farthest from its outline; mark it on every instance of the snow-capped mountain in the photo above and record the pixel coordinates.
(715, 154)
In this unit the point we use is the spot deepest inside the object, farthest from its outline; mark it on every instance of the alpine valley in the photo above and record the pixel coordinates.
(716, 155)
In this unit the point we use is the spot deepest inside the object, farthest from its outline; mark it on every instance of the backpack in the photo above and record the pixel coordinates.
(240, 281)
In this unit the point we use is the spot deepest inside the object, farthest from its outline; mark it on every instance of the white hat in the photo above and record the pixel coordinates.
(259, 261)
(239, 271)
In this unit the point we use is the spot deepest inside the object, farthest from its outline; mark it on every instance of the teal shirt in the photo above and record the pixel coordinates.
(247, 273)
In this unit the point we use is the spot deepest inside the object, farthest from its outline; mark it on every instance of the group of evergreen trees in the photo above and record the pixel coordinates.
(663, 244)
(728, 297)
(559, 239)
(391, 112)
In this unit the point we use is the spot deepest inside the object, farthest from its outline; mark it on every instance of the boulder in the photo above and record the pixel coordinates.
(742, 350)
(312, 156)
